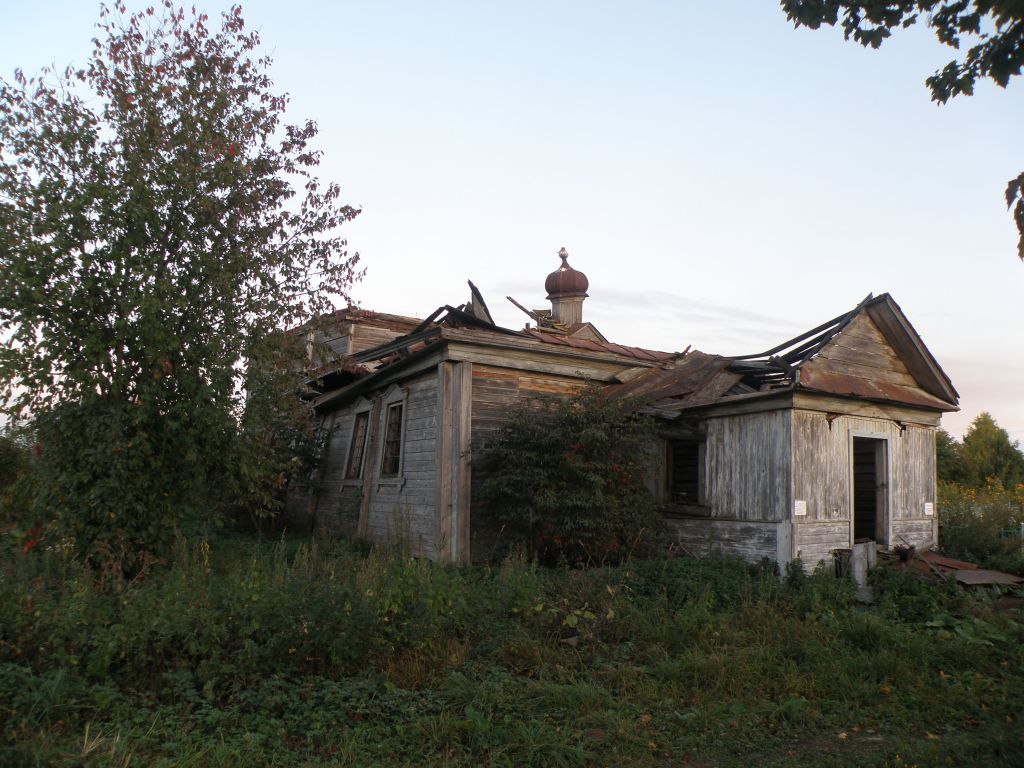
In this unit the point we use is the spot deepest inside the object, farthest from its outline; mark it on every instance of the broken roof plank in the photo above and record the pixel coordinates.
(529, 312)
(478, 305)
(828, 328)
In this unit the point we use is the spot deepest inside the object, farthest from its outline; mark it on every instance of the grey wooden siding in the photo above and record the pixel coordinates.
(821, 478)
(751, 541)
(400, 510)
(403, 511)
(815, 540)
(910, 525)
(337, 504)
(918, 533)
(747, 461)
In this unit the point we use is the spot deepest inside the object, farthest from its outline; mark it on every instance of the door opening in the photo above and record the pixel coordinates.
(870, 491)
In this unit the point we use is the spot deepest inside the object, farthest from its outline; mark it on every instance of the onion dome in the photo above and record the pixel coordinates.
(566, 281)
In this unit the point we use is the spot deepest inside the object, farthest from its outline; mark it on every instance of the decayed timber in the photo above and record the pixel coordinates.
(454, 458)
(830, 432)
(734, 538)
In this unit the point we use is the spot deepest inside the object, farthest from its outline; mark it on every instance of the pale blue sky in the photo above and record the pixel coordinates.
(724, 180)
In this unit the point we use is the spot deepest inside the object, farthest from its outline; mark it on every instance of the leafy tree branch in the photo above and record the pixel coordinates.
(989, 32)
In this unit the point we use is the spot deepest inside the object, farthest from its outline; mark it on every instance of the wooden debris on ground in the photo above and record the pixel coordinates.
(967, 574)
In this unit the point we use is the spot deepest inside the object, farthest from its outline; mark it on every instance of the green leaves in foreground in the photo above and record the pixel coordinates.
(160, 230)
(244, 653)
(567, 478)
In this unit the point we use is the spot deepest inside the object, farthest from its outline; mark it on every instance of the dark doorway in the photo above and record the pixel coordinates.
(870, 496)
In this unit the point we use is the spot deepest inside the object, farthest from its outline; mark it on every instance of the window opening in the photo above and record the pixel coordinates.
(392, 459)
(686, 459)
(357, 447)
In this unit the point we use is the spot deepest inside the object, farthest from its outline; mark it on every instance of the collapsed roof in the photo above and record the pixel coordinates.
(870, 352)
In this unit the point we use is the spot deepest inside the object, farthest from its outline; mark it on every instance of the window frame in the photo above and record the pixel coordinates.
(361, 406)
(360, 415)
(695, 507)
(395, 396)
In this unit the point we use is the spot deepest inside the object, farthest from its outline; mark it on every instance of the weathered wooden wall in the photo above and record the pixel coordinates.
(746, 489)
(454, 455)
(365, 336)
(495, 390)
(335, 506)
(821, 478)
(748, 465)
(401, 510)
(751, 541)
(910, 524)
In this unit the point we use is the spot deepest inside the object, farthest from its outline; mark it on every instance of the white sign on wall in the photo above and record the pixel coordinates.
(799, 508)
(929, 509)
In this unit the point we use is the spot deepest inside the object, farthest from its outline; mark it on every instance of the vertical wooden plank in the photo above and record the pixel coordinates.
(370, 467)
(883, 472)
(462, 464)
(933, 486)
(784, 543)
(444, 468)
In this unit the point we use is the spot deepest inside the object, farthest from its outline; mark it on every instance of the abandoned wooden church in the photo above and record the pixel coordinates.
(823, 440)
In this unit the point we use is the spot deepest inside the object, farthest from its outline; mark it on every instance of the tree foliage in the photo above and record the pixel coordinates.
(160, 225)
(990, 31)
(949, 462)
(567, 477)
(988, 453)
(986, 456)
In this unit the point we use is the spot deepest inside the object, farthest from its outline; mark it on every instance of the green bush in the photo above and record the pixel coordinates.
(567, 478)
(19, 521)
(983, 525)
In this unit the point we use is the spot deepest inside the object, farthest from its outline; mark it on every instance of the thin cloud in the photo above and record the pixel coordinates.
(669, 321)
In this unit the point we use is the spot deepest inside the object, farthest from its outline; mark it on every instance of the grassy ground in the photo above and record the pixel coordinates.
(248, 653)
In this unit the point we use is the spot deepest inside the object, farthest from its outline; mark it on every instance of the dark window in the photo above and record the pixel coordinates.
(357, 448)
(685, 470)
(392, 460)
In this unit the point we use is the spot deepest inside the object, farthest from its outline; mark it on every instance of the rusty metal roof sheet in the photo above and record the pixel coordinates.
(871, 389)
(965, 573)
(946, 562)
(783, 366)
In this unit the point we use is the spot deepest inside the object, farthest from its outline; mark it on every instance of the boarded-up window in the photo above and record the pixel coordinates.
(357, 447)
(392, 459)
(686, 471)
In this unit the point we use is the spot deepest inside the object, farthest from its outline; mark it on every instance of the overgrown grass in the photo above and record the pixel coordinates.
(983, 525)
(308, 653)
